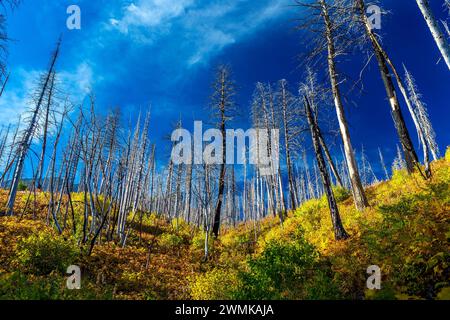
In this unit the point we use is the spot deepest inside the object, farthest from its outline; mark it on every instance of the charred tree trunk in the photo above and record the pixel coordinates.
(339, 231)
(224, 93)
(397, 115)
(40, 168)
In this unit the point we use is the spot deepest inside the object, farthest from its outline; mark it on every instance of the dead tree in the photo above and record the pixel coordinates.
(429, 136)
(319, 95)
(328, 19)
(4, 84)
(339, 231)
(289, 118)
(29, 132)
(51, 206)
(4, 35)
(223, 104)
(40, 168)
(436, 31)
(397, 115)
(383, 164)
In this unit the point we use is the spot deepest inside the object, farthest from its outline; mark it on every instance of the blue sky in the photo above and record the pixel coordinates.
(162, 53)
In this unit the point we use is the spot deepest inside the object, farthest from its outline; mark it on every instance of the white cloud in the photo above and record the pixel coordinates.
(78, 82)
(199, 28)
(150, 13)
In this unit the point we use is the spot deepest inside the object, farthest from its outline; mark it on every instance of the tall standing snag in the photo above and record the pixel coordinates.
(357, 188)
(222, 103)
(288, 118)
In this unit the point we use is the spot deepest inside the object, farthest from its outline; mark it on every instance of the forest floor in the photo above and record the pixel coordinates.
(406, 232)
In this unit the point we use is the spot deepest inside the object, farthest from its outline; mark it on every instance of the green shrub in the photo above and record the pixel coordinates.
(198, 241)
(286, 270)
(18, 286)
(22, 186)
(341, 194)
(170, 240)
(182, 229)
(43, 253)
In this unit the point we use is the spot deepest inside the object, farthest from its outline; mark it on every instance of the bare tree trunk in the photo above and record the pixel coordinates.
(4, 84)
(224, 95)
(436, 31)
(357, 188)
(428, 136)
(383, 164)
(40, 168)
(287, 146)
(339, 231)
(330, 160)
(26, 140)
(397, 115)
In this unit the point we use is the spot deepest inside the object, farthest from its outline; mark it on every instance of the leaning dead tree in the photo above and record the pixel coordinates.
(29, 132)
(383, 60)
(5, 82)
(319, 95)
(422, 115)
(339, 231)
(436, 31)
(327, 20)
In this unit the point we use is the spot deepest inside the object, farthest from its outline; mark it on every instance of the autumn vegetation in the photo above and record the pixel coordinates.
(406, 231)
(79, 187)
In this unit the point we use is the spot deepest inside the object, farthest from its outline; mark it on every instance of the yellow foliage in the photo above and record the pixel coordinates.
(444, 294)
(405, 231)
(216, 284)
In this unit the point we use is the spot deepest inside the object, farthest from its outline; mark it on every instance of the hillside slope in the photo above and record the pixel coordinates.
(406, 232)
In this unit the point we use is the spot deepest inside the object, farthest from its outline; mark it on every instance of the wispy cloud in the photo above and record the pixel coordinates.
(18, 98)
(198, 28)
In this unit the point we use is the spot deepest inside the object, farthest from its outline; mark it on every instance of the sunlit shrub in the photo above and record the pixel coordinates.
(341, 194)
(182, 228)
(285, 270)
(242, 240)
(170, 240)
(44, 252)
(198, 241)
(22, 186)
(217, 284)
(399, 179)
(19, 286)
